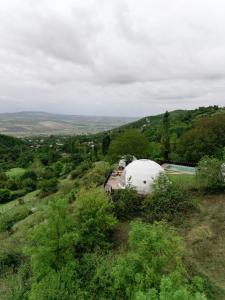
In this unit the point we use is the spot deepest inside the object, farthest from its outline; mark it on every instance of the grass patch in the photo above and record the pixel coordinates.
(28, 198)
(204, 236)
(15, 172)
(184, 181)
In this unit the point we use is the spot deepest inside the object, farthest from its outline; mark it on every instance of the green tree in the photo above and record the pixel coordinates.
(51, 251)
(205, 138)
(48, 186)
(172, 288)
(105, 144)
(165, 140)
(166, 200)
(130, 142)
(209, 174)
(5, 195)
(94, 218)
(127, 203)
(154, 251)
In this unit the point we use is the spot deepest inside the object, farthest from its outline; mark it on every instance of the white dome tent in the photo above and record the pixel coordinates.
(140, 174)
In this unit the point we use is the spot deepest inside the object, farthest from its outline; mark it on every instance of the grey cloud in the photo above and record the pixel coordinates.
(99, 57)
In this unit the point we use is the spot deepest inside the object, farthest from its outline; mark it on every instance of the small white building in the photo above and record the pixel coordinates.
(140, 175)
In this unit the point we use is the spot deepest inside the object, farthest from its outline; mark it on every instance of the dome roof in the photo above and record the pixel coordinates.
(140, 174)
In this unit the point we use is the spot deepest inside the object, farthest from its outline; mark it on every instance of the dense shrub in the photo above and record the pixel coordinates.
(51, 250)
(154, 253)
(18, 193)
(97, 175)
(29, 174)
(58, 168)
(10, 217)
(13, 184)
(127, 203)
(10, 252)
(5, 196)
(209, 174)
(48, 187)
(166, 200)
(3, 180)
(94, 218)
(81, 169)
(29, 184)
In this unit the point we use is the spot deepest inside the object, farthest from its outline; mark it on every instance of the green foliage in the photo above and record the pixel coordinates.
(94, 218)
(58, 168)
(5, 196)
(154, 251)
(10, 151)
(48, 187)
(29, 184)
(9, 218)
(51, 251)
(96, 176)
(165, 139)
(17, 284)
(15, 173)
(81, 169)
(127, 203)
(166, 201)
(206, 138)
(131, 142)
(155, 150)
(105, 144)
(209, 174)
(171, 289)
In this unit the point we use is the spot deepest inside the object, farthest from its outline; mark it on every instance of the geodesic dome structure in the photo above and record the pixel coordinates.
(140, 175)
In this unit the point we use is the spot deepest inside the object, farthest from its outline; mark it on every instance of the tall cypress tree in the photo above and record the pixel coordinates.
(165, 140)
(105, 144)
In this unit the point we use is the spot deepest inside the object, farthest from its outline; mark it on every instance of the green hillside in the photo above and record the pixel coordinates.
(63, 237)
(203, 126)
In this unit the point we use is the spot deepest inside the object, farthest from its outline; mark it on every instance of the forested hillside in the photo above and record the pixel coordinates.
(186, 135)
(63, 237)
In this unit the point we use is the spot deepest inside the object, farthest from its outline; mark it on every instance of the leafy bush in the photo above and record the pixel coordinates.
(81, 169)
(209, 174)
(51, 250)
(166, 201)
(10, 217)
(5, 196)
(30, 174)
(94, 218)
(97, 175)
(127, 203)
(18, 193)
(13, 184)
(10, 252)
(29, 184)
(48, 187)
(152, 263)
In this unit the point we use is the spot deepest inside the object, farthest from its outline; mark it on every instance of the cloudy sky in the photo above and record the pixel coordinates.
(111, 57)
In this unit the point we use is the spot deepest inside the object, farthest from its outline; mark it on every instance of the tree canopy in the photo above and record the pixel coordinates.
(129, 142)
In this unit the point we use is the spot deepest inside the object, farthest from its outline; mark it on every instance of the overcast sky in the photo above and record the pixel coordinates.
(111, 57)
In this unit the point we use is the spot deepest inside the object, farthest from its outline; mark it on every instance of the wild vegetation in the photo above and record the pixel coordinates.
(63, 237)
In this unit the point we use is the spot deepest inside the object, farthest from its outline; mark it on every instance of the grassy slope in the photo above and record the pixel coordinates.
(204, 236)
(203, 232)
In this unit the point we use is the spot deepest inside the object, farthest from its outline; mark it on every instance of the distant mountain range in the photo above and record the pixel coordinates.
(41, 123)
